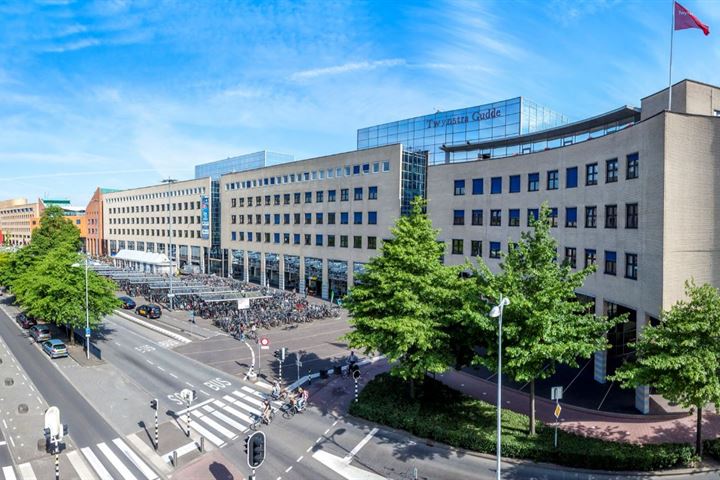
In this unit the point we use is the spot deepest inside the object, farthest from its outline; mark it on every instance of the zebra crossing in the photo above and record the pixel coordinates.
(222, 420)
(113, 460)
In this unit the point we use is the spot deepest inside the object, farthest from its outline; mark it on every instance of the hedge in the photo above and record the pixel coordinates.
(445, 415)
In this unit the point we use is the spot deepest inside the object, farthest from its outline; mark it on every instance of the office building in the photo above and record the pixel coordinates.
(241, 163)
(94, 242)
(18, 218)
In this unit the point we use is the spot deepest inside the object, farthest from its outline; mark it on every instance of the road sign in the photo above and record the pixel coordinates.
(87, 332)
(556, 393)
(52, 422)
(188, 395)
(264, 343)
(356, 374)
(557, 411)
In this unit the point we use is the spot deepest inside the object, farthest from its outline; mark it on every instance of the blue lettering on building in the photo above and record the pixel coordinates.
(476, 116)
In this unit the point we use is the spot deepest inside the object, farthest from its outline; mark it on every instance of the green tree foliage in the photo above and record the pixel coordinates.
(545, 325)
(680, 356)
(409, 306)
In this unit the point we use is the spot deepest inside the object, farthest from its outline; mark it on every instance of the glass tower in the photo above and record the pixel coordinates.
(241, 163)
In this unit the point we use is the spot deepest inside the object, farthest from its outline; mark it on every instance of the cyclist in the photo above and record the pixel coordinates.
(267, 410)
(276, 390)
(302, 400)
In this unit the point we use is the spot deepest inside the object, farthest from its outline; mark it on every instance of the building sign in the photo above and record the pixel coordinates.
(475, 116)
(204, 217)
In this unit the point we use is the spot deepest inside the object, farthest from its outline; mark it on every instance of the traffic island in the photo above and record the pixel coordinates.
(441, 414)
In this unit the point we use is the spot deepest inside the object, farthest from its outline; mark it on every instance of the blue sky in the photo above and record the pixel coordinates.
(120, 94)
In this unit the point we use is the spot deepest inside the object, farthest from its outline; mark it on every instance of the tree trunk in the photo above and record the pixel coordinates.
(70, 335)
(532, 407)
(698, 439)
(412, 388)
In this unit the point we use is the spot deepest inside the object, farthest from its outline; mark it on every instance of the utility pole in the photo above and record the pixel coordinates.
(87, 310)
(155, 406)
(169, 182)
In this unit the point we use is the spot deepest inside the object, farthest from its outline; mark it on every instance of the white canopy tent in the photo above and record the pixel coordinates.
(142, 261)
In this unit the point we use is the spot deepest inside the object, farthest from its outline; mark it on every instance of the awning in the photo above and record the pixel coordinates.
(143, 257)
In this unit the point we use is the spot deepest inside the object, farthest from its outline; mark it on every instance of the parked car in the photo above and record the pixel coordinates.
(55, 348)
(24, 321)
(40, 332)
(127, 303)
(149, 311)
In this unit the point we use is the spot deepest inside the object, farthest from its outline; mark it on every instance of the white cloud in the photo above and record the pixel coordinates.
(74, 45)
(346, 68)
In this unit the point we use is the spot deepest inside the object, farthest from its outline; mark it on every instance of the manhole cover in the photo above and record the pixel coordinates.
(9, 381)
(41, 445)
(23, 408)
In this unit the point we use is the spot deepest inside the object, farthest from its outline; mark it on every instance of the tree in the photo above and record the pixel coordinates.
(545, 325)
(680, 356)
(54, 290)
(407, 304)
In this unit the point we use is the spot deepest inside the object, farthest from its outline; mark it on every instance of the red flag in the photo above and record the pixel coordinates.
(684, 19)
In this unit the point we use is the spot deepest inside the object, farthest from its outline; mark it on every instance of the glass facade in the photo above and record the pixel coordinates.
(429, 133)
(241, 163)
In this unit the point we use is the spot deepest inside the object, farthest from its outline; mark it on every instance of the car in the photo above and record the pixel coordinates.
(40, 332)
(55, 348)
(24, 321)
(149, 311)
(127, 303)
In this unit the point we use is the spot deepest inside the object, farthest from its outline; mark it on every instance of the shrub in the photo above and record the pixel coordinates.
(445, 415)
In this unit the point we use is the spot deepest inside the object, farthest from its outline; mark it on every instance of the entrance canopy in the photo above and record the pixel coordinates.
(142, 261)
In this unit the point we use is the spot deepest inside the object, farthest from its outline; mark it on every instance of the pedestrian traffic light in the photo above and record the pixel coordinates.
(255, 447)
(277, 354)
(154, 404)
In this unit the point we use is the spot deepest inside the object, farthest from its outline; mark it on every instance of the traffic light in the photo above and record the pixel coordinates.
(154, 404)
(255, 448)
(277, 354)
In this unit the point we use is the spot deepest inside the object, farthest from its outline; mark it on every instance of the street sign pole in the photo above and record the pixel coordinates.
(57, 459)
(280, 370)
(188, 417)
(356, 377)
(556, 394)
(157, 430)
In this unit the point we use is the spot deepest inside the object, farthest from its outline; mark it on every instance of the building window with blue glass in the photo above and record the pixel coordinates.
(458, 217)
(514, 183)
(533, 215)
(372, 193)
(331, 195)
(357, 218)
(571, 177)
(496, 185)
(553, 180)
(308, 197)
(358, 193)
(514, 217)
(372, 218)
(344, 218)
(571, 217)
(318, 218)
(533, 182)
(477, 186)
(318, 240)
(296, 239)
(494, 249)
(459, 187)
(276, 238)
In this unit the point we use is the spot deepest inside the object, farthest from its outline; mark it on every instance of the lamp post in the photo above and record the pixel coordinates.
(497, 312)
(87, 307)
(169, 182)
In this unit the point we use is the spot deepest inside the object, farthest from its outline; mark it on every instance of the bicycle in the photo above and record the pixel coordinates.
(259, 420)
(290, 410)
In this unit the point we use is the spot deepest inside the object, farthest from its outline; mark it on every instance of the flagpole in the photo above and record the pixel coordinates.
(672, 29)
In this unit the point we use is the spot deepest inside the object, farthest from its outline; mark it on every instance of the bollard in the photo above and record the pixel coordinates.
(202, 444)
(174, 458)
(57, 460)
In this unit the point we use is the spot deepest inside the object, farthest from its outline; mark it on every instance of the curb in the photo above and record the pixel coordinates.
(150, 326)
(330, 371)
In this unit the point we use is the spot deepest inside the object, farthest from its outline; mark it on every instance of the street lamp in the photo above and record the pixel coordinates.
(87, 308)
(169, 182)
(497, 312)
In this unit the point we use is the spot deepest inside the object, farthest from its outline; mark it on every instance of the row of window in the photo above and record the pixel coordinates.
(151, 232)
(631, 259)
(632, 216)
(308, 218)
(358, 194)
(347, 171)
(306, 239)
(156, 208)
(154, 220)
(632, 171)
(162, 194)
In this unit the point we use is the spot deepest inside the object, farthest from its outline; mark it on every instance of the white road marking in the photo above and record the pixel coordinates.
(229, 421)
(194, 407)
(216, 426)
(119, 466)
(248, 398)
(39, 399)
(189, 384)
(207, 434)
(360, 445)
(319, 439)
(173, 375)
(206, 393)
(9, 473)
(95, 464)
(326, 431)
(151, 363)
(5, 424)
(26, 472)
(12, 442)
(231, 410)
(343, 469)
(309, 448)
(238, 403)
(288, 469)
(3, 443)
(79, 465)
(299, 459)
(190, 447)
(161, 368)
(139, 464)
(334, 423)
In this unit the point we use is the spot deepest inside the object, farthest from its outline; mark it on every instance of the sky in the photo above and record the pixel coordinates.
(120, 94)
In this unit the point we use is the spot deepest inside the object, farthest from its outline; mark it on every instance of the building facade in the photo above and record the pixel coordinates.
(492, 121)
(18, 218)
(632, 192)
(94, 242)
(310, 225)
(142, 219)
(241, 163)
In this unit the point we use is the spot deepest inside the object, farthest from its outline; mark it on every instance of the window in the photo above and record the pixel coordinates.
(571, 217)
(477, 186)
(514, 217)
(331, 218)
(233, 219)
(476, 248)
(267, 219)
(457, 246)
(308, 239)
(631, 215)
(366, 168)
(477, 217)
(331, 240)
(571, 256)
(553, 180)
(276, 219)
(631, 266)
(495, 218)
(376, 167)
(372, 218)
(286, 238)
(610, 263)
(331, 195)
(357, 218)
(633, 166)
(496, 185)
(319, 196)
(233, 202)
(343, 241)
(308, 197)
(372, 193)
(297, 198)
(344, 194)
(553, 217)
(372, 243)
(276, 238)
(276, 199)
(459, 187)
(296, 239)
(356, 169)
(344, 218)
(494, 249)
(610, 216)
(318, 218)
(286, 199)
(296, 219)
(571, 177)
(308, 218)
(249, 202)
(458, 217)
(267, 200)
(590, 217)
(533, 215)
(590, 257)
(611, 173)
(386, 166)
(357, 241)
(514, 183)
(533, 182)
(591, 174)
(318, 240)
(286, 218)
(250, 236)
(358, 193)
(267, 237)
(233, 236)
